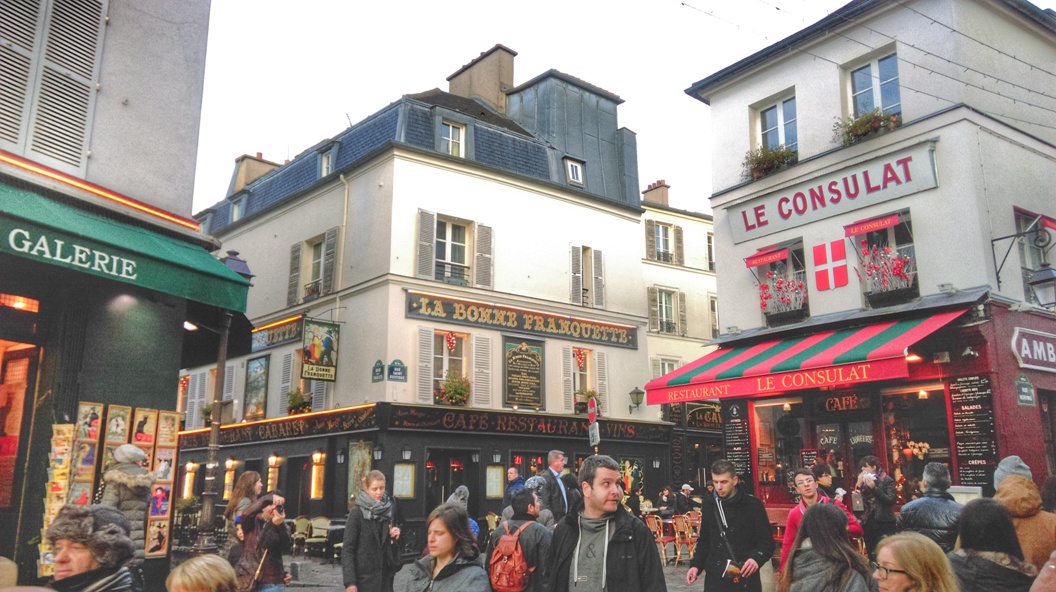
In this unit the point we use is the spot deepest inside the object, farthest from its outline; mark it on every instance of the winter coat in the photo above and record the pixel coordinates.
(232, 534)
(104, 579)
(550, 497)
(935, 516)
(682, 503)
(748, 531)
(512, 488)
(632, 561)
(463, 574)
(795, 516)
(879, 502)
(535, 543)
(634, 504)
(987, 571)
(546, 517)
(369, 558)
(127, 487)
(812, 573)
(1035, 527)
(260, 534)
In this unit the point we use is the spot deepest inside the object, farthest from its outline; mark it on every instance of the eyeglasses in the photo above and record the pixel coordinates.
(885, 571)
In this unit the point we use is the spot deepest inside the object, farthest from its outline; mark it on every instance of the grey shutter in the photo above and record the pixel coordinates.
(425, 267)
(229, 382)
(566, 378)
(294, 287)
(286, 382)
(654, 308)
(682, 328)
(425, 365)
(329, 259)
(602, 365)
(657, 367)
(680, 255)
(575, 272)
(483, 267)
(190, 412)
(318, 395)
(19, 28)
(481, 371)
(650, 240)
(599, 279)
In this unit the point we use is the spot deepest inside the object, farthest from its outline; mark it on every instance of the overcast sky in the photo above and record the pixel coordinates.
(281, 76)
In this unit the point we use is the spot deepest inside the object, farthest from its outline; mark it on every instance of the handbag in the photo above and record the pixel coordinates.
(732, 570)
(251, 586)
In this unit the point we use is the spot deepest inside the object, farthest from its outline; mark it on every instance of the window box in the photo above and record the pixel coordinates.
(583, 397)
(788, 317)
(454, 390)
(761, 162)
(887, 269)
(858, 129)
(891, 297)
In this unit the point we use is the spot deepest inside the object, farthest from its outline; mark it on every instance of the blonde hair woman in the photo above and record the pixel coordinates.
(370, 557)
(205, 573)
(911, 562)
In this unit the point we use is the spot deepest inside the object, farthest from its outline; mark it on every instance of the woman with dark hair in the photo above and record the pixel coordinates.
(370, 556)
(246, 491)
(823, 477)
(878, 497)
(988, 556)
(665, 502)
(451, 564)
(823, 559)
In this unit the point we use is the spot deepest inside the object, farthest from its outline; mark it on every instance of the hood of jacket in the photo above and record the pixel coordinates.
(1020, 496)
(988, 570)
(130, 478)
(425, 566)
(811, 571)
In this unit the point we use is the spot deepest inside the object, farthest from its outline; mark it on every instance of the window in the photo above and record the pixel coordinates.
(454, 251)
(449, 351)
(666, 306)
(662, 239)
(451, 138)
(315, 271)
(875, 86)
(663, 242)
(584, 370)
(318, 476)
(713, 314)
(580, 372)
(783, 288)
(574, 171)
(1030, 255)
(667, 366)
(667, 310)
(711, 251)
(451, 264)
(238, 209)
(312, 268)
(587, 277)
(887, 261)
(778, 125)
(325, 163)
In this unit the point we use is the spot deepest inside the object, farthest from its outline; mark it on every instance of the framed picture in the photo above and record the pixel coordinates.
(117, 419)
(496, 481)
(164, 461)
(168, 428)
(403, 480)
(148, 460)
(84, 459)
(89, 417)
(157, 537)
(256, 399)
(159, 500)
(359, 459)
(80, 494)
(146, 425)
(108, 456)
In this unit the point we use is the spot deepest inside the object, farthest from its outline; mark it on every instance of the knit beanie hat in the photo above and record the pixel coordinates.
(103, 529)
(128, 453)
(535, 483)
(460, 497)
(1011, 465)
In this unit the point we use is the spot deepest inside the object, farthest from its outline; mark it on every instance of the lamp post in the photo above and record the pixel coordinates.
(636, 399)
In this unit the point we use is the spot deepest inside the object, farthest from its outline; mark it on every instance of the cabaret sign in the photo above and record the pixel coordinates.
(1034, 349)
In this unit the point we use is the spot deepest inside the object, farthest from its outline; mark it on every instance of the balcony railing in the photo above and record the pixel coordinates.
(783, 298)
(312, 290)
(664, 256)
(452, 273)
(668, 326)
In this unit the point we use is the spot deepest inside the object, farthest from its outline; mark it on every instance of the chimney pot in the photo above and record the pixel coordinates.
(260, 155)
(656, 193)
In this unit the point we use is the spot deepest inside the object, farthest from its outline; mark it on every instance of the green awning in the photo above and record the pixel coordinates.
(37, 228)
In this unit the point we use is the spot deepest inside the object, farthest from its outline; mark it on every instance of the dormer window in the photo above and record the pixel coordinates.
(238, 209)
(451, 139)
(325, 163)
(574, 171)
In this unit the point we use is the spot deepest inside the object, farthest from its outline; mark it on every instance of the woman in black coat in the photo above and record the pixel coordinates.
(370, 556)
(878, 496)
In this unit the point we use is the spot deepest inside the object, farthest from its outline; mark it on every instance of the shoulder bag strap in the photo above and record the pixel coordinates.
(721, 520)
(253, 584)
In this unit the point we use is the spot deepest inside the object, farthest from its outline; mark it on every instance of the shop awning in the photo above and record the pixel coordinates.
(37, 228)
(849, 356)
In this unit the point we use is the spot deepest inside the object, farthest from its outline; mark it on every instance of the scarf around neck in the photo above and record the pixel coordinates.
(374, 509)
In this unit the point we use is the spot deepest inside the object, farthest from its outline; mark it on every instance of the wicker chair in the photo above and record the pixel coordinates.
(657, 526)
(684, 537)
(301, 526)
(320, 531)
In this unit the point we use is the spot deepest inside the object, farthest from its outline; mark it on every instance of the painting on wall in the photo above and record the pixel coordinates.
(256, 387)
(359, 454)
(631, 473)
(89, 416)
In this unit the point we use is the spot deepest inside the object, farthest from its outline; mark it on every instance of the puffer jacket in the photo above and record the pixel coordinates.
(126, 486)
(812, 572)
(632, 561)
(463, 574)
(986, 571)
(1035, 527)
(935, 516)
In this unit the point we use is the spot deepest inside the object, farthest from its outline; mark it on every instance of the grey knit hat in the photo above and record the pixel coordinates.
(1011, 465)
(535, 483)
(128, 453)
(103, 529)
(459, 497)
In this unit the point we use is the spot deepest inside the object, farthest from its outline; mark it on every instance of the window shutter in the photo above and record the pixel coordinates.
(286, 383)
(481, 371)
(18, 28)
(483, 266)
(229, 382)
(425, 267)
(654, 308)
(318, 395)
(294, 287)
(682, 328)
(657, 368)
(602, 360)
(425, 365)
(566, 378)
(196, 387)
(680, 255)
(650, 240)
(575, 271)
(599, 279)
(329, 259)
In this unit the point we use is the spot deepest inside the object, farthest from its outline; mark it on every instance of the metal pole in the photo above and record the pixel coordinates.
(206, 544)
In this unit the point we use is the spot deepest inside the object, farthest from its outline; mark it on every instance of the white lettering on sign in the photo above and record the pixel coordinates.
(1034, 349)
(22, 241)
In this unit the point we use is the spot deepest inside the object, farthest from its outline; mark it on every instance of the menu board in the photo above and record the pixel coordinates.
(736, 438)
(523, 372)
(974, 436)
(807, 456)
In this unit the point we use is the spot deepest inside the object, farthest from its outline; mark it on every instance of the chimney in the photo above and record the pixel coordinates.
(657, 193)
(486, 78)
(247, 170)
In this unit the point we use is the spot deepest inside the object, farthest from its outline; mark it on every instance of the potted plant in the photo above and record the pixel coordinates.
(762, 161)
(783, 299)
(297, 403)
(582, 396)
(454, 389)
(890, 274)
(856, 129)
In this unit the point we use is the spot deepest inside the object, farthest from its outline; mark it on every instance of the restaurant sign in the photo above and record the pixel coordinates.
(349, 419)
(1034, 349)
(494, 316)
(319, 350)
(277, 334)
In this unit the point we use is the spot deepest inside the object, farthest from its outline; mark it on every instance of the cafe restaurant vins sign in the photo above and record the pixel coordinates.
(494, 316)
(1034, 349)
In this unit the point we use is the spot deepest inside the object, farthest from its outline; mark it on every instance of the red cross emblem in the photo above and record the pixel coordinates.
(830, 265)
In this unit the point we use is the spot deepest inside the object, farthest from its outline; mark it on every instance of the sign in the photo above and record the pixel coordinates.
(735, 438)
(349, 419)
(881, 179)
(704, 416)
(523, 383)
(319, 350)
(972, 408)
(277, 334)
(807, 456)
(592, 410)
(594, 433)
(843, 402)
(830, 265)
(398, 371)
(1034, 349)
(377, 373)
(1025, 395)
(494, 316)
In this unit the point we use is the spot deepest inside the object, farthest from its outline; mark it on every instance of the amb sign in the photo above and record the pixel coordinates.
(1034, 349)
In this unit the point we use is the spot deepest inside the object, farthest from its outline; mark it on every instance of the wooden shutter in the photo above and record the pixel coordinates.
(654, 308)
(566, 378)
(602, 365)
(683, 329)
(286, 381)
(425, 267)
(229, 382)
(650, 240)
(425, 365)
(318, 399)
(575, 272)
(294, 287)
(483, 266)
(481, 371)
(196, 388)
(329, 260)
(19, 28)
(599, 279)
(657, 367)
(680, 255)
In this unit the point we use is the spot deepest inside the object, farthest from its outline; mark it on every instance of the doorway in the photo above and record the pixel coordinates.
(842, 445)
(445, 470)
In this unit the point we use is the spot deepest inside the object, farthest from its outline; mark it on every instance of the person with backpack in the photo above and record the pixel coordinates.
(517, 549)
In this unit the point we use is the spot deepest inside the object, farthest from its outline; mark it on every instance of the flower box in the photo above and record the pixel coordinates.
(762, 161)
(858, 129)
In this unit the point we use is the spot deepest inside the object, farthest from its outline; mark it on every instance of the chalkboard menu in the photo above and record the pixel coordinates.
(807, 457)
(972, 405)
(735, 438)
(522, 372)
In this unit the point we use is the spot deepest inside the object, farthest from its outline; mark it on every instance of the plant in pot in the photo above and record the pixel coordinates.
(582, 396)
(856, 129)
(296, 403)
(762, 161)
(454, 389)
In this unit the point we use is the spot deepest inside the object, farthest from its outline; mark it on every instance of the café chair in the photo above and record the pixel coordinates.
(657, 526)
(317, 537)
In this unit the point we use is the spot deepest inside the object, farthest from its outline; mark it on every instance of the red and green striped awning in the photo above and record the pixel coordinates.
(849, 356)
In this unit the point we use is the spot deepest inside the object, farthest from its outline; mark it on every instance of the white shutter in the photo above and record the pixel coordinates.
(599, 279)
(575, 271)
(293, 288)
(481, 371)
(318, 395)
(196, 388)
(425, 267)
(286, 377)
(566, 378)
(483, 265)
(425, 365)
(657, 368)
(229, 382)
(20, 27)
(329, 260)
(602, 360)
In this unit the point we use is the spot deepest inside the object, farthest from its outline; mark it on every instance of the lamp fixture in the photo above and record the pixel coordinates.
(377, 451)
(318, 456)
(274, 460)
(496, 457)
(922, 395)
(191, 466)
(969, 352)
(230, 464)
(636, 395)
(913, 358)
(475, 457)
(1043, 282)
(733, 330)
(948, 289)
(340, 456)
(656, 462)
(406, 453)
(1044, 278)
(786, 407)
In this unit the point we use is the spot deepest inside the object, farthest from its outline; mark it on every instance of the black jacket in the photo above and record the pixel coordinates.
(879, 502)
(261, 534)
(748, 531)
(369, 558)
(551, 497)
(979, 572)
(535, 544)
(682, 503)
(934, 516)
(632, 561)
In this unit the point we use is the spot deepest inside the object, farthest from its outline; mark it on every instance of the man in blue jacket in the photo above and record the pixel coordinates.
(514, 482)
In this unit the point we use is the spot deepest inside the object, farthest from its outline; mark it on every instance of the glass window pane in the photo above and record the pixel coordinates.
(888, 68)
(768, 118)
(458, 233)
(789, 109)
(861, 79)
(771, 139)
(791, 140)
(889, 97)
(863, 103)
(458, 254)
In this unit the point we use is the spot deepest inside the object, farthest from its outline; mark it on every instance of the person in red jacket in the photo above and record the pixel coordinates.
(807, 488)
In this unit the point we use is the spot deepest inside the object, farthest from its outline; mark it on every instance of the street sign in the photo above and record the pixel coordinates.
(595, 433)
(592, 410)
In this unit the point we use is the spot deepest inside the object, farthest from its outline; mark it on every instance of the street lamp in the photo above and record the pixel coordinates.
(1043, 282)
(636, 399)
